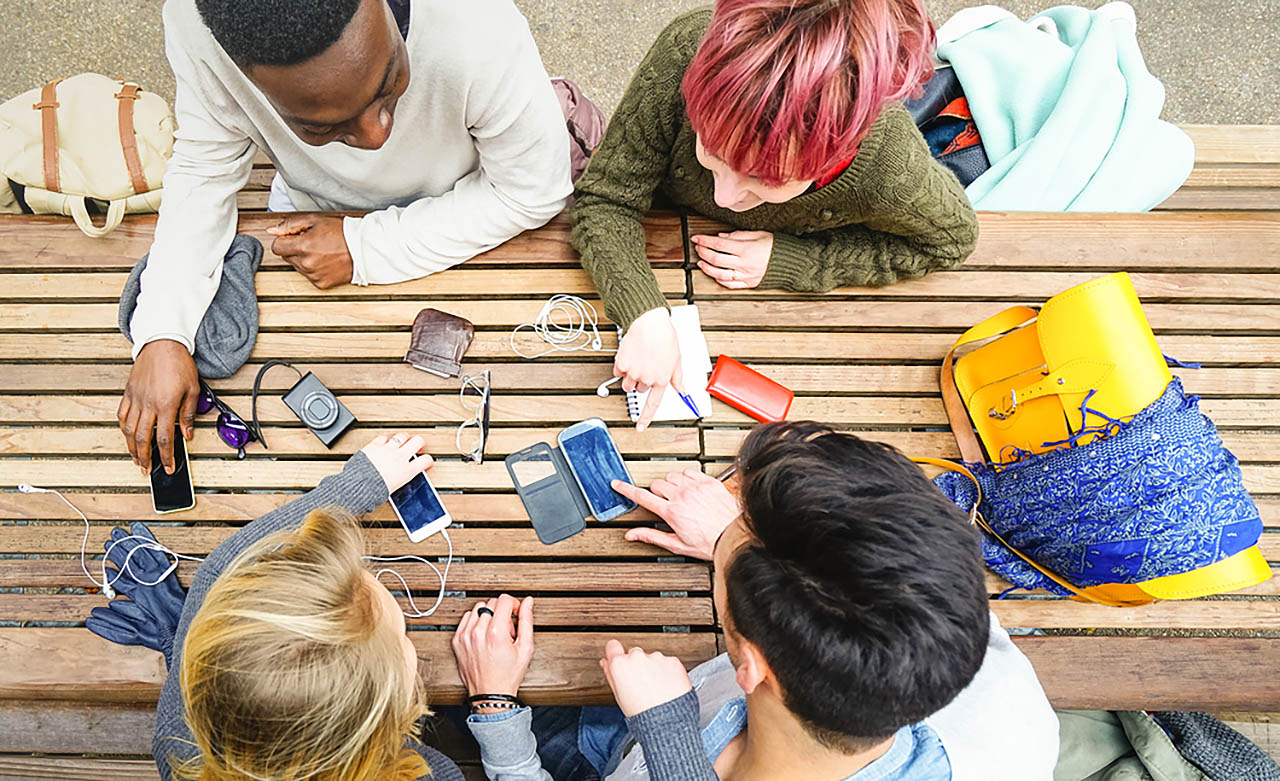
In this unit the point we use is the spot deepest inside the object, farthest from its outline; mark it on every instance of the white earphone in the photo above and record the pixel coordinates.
(107, 582)
(579, 331)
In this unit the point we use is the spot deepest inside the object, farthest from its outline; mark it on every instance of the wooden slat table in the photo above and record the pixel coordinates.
(863, 359)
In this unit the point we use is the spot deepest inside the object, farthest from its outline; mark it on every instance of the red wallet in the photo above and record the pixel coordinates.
(749, 391)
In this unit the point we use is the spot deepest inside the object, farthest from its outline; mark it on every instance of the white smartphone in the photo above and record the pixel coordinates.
(595, 462)
(418, 506)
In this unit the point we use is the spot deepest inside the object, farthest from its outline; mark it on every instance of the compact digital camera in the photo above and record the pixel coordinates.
(317, 407)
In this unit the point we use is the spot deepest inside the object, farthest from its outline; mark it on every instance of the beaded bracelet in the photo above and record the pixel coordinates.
(477, 707)
(495, 697)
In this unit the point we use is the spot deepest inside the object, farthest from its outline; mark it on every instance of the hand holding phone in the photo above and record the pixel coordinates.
(415, 501)
(171, 493)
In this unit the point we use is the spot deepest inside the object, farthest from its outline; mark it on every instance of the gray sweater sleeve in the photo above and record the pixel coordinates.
(508, 748)
(358, 489)
(672, 742)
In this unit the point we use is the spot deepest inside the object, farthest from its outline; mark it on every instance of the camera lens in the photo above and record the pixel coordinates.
(319, 410)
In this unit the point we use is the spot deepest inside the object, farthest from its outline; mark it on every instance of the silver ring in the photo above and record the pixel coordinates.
(399, 440)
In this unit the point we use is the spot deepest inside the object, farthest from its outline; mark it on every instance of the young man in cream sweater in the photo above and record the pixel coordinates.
(437, 117)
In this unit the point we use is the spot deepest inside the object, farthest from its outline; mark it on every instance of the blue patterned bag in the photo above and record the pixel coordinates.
(1154, 496)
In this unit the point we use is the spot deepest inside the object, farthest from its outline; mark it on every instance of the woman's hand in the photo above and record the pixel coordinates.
(649, 359)
(398, 459)
(493, 650)
(696, 506)
(736, 260)
(641, 681)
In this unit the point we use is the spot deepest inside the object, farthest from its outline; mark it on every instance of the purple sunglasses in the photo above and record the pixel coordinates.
(231, 427)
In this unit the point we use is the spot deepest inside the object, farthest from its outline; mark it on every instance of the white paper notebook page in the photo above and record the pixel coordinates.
(695, 360)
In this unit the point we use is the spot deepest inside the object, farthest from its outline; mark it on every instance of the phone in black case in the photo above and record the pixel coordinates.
(556, 509)
(171, 493)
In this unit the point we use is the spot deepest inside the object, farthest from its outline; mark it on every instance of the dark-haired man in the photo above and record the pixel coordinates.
(436, 115)
(855, 615)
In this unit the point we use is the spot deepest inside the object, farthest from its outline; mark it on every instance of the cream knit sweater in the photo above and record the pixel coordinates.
(478, 153)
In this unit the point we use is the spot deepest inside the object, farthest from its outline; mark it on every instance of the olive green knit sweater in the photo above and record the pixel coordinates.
(893, 213)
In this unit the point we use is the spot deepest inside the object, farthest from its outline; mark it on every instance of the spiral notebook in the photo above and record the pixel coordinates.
(695, 361)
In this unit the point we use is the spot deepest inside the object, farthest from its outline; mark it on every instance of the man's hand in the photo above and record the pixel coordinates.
(649, 359)
(492, 650)
(736, 260)
(696, 506)
(163, 386)
(641, 681)
(314, 245)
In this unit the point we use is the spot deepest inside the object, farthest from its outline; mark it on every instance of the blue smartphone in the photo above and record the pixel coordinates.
(595, 462)
(418, 506)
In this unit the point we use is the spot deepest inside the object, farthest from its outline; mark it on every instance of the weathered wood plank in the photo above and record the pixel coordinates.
(1194, 614)
(390, 344)
(75, 664)
(1230, 196)
(1235, 143)
(1134, 242)
(483, 576)
(594, 610)
(108, 441)
(776, 346)
(597, 541)
(724, 443)
(1036, 286)
(242, 508)
(55, 242)
(462, 282)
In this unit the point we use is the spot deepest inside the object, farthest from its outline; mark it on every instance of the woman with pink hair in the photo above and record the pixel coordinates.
(782, 119)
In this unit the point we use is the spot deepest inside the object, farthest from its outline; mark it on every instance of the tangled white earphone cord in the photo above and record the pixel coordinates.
(146, 543)
(579, 330)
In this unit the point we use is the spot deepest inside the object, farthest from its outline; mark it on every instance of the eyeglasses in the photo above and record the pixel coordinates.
(231, 427)
(474, 395)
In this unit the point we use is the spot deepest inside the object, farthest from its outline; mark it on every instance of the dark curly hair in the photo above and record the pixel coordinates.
(276, 32)
(861, 584)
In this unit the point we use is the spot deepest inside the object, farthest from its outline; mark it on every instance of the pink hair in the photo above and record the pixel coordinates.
(785, 90)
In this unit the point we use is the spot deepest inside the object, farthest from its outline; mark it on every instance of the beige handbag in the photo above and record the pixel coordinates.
(81, 141)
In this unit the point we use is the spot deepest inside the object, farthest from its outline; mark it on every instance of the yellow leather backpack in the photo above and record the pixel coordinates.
(1024, 390)
(81, 142)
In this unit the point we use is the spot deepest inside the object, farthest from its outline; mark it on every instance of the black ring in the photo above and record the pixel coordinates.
(482, 610)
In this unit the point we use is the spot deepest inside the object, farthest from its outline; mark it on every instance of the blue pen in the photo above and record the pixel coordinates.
(688, 402)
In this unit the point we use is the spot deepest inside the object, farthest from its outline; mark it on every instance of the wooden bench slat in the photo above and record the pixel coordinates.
(487, 576)
(472, 542)
(724, 443)
(1070, 241)
(795, 346)
(244, 507)
(1235, 175)
(108, 441)
(532, 376)
(420, 410)
(76, 769)
(733, 313)
(1196, 614)
(1218, 198)
(258, 475)
(75, 664)
(594, 610)
(462, 282)
(739, 314)
(34, 242)
(354, 345)
(432, 410)
(1034, 286)
(1235, 143)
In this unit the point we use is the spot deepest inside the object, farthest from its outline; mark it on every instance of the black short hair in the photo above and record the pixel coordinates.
(860, 583)
(276, 32)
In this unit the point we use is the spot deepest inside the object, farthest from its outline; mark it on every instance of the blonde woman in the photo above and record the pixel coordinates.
(291, 661)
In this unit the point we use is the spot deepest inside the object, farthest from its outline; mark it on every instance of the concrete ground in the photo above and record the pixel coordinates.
(1217, 58)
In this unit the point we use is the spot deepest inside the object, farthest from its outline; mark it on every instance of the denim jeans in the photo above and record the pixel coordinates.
(574, 743)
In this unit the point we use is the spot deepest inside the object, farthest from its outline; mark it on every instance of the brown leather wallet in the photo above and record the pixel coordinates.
(438, 342)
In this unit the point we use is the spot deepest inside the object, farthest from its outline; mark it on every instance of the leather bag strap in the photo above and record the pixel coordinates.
(48, 108)
(975, 517)
(957, 414)
(126, 97)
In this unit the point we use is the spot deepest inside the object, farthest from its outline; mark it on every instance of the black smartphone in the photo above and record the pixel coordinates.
(171, 493)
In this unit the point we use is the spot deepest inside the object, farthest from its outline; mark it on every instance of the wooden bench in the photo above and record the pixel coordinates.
(865, 359)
